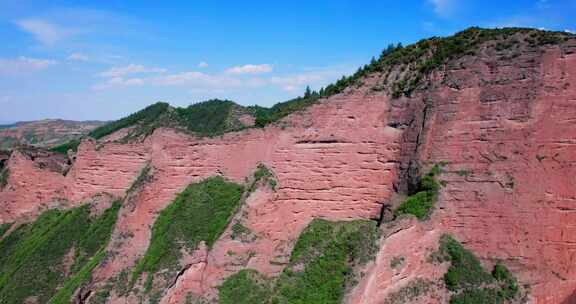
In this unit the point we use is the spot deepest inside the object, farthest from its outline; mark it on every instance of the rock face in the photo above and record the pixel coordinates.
(504, 127)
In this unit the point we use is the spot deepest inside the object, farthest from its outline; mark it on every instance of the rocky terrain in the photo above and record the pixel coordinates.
(44, 133)
(440, 173)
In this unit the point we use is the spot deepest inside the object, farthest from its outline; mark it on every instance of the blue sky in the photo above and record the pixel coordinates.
(104, 59)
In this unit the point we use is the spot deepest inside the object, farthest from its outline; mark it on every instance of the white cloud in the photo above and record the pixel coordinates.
(315, 78)
(516, 21)
(118, 82)
(570, 31)
(205, 82)
(23, 64)
(115, 72)
(196, 80)
(77, 57)
(45, 32)
(250, 69)
(203, 64)
(444, 8)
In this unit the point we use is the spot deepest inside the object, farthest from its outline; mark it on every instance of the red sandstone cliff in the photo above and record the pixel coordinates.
(504, 126)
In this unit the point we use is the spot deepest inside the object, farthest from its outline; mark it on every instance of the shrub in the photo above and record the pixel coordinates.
(421, 203)
(410, 292)
(465, 270)
(468, 280)
(509, 285)
(4, 175)
(241, 232)
(477, 296)
(263, 174)
(247, 286)
(3, 228)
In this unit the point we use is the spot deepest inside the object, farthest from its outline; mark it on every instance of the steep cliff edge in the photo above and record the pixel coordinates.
(495, 108)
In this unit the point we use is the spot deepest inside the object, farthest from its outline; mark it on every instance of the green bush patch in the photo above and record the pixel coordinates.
(3, 228)
(210, 118)
(465, 269)
(245, 287)
(200, 213)
(468, 280)
(32, 256)
(421, 203)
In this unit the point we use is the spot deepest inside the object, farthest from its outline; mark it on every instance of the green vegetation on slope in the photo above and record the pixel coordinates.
(146, 116)
(469, 281)
(321, 265)
(32, 257)
(245, 287)
(69, 145)
(4, 174)
(209, 118)
(421, 203)
(200, 213)
(3, 228)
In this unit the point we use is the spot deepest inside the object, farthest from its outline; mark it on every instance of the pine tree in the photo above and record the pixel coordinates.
(308, 92)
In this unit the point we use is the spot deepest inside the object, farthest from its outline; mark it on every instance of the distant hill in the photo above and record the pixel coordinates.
(44, 133)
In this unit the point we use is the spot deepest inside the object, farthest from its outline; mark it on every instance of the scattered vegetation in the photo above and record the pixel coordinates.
(396, 262)
(4, 175)
(468, 280)
(142, 178)
(32, 256)
(410, 292)
(321, 266)
(427, 55)
(421, 203)
(247, 286)
(241, 232)
(200, 213)
(263, 175)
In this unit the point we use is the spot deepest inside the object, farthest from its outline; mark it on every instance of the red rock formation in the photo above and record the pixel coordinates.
(504, 127)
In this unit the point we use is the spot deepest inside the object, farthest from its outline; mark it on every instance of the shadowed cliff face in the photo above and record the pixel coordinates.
(503, 125)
